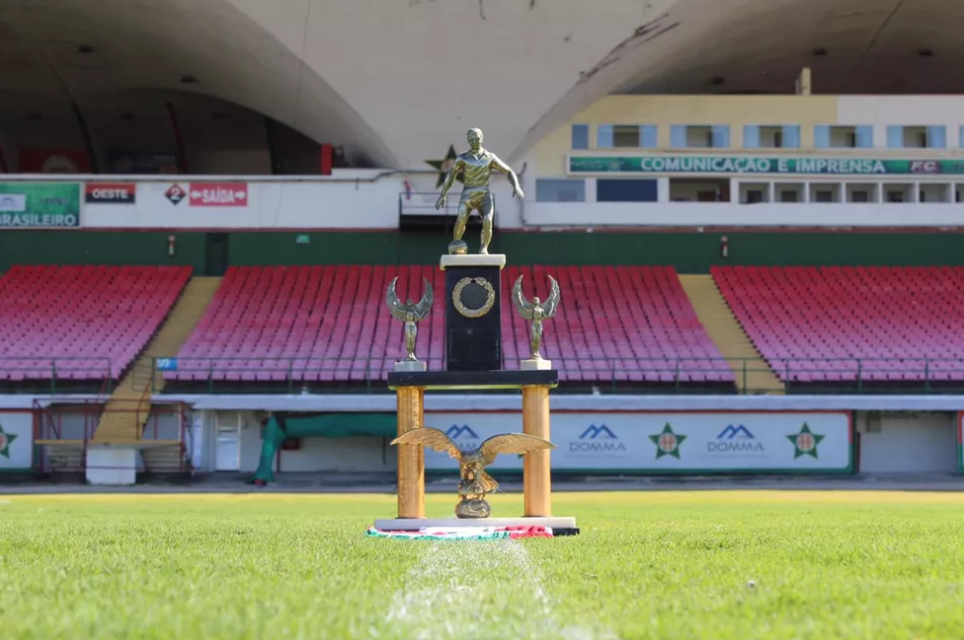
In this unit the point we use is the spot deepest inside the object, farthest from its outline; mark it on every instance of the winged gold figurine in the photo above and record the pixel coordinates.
(410, 313)
(474, 482)
(536, 311)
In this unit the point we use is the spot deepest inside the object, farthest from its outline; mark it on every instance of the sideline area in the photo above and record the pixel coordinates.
(345, 483)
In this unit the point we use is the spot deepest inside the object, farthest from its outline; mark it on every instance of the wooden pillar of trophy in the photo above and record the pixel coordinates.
(411, 458)
(536, 468)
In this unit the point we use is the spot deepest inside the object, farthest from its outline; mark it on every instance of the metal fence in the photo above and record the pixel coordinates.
(618, 374)
(52, 375)
(65, 432)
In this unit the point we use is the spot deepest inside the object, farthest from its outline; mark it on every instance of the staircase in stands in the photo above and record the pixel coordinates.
(127, 411)
(752, 372)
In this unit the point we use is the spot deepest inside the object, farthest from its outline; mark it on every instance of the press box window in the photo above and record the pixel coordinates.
(626, 191)
(626, 136)
(580, 136)
(897, 193)
(560, 190)
(754, 192)
(900, 137)
(699, 190)
(771, 136)
(843, 137)
(685, 136)
(934, 192)
(825, 193)
(789, 192)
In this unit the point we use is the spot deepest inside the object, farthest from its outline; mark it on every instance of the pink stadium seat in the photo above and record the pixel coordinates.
(81, 323)
(878, 324)
(330, 324)
(616, 324)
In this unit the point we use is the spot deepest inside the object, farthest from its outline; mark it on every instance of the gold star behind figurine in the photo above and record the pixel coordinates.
(474, 482)
(536, 311)
(410, 314)
(475, 166)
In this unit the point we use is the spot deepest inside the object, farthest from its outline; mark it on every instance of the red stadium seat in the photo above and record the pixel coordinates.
(330, 324)
(81, 323)
(878, 324)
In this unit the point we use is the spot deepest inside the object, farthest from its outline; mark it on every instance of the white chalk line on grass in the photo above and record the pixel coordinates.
(477, 589)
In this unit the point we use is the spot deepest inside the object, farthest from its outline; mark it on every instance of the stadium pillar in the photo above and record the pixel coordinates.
(411, 457)
(537, 479)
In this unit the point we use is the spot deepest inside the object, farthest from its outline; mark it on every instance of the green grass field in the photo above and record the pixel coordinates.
(648, 565)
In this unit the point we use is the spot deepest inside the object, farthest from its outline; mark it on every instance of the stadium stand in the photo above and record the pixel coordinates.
(85, 323)
(329, 324)
(838, 324)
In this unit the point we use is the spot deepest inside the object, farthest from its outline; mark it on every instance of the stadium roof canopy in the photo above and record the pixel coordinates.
(390, 79)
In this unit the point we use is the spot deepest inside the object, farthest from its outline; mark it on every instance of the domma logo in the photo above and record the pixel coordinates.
(465, 431)
(734, 432)
(599, 439)
(594, 432)
(736, 439)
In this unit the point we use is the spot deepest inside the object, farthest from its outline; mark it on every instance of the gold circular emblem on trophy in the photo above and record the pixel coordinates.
(471, 308)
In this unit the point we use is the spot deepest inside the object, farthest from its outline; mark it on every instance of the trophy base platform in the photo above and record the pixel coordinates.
(535, 364)
(480, 380)
(410, 366)
(561, 526)
(464, 261)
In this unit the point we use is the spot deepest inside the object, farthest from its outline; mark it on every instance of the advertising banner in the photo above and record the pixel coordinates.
(208, 194)
(233, 203)
(218, 194)
(735, 165)
(39, 205)
(16, 440)
(602, 442)
(110, 193)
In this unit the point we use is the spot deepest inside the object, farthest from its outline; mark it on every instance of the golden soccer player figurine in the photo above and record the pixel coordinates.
(476, 166)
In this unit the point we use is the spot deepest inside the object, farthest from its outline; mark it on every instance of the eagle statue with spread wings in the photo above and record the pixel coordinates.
(410, 313)
(536, 311)
(474, 482)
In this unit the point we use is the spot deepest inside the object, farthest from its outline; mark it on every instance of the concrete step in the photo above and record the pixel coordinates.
(753, 373)
(128, 408)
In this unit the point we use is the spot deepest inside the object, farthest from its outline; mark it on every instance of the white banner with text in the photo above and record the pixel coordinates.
(356, 200)
(604, 442)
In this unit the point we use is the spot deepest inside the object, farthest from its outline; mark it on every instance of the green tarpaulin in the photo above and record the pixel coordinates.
(281, 426)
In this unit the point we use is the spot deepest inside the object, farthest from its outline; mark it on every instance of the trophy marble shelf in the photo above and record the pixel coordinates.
(561, 526)
(456, 380)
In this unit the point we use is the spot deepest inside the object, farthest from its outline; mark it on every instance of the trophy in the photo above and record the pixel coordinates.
(536, 311)
(474, 482)
(410, 314)
(473, 360)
